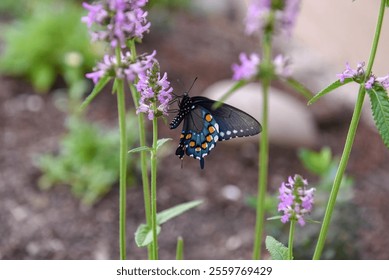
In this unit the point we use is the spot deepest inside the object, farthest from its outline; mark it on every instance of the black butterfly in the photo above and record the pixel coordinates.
(204, 126)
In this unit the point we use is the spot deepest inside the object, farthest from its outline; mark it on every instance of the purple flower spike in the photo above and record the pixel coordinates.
(296, 200)
(248, 69)
(127, 68)
(116, 21)
(258, 16)
(155, 91)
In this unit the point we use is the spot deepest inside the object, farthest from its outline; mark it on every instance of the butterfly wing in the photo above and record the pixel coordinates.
(199, 134)
(232, 122)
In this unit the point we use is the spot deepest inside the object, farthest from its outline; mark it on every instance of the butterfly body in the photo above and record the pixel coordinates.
(204, 126)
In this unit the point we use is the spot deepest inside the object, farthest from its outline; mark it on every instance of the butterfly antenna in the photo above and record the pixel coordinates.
(192, 84)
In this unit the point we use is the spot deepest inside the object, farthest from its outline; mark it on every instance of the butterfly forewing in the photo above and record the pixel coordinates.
(232, 121)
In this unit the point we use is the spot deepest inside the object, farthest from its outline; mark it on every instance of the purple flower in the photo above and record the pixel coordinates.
(155, 92)
(282, 66)
(116, 21)
(358, 73)
(296, 200)
(384, 81)
(127, 68)
(369, 83)
(289, 15)
(258, 16)
(248, 69)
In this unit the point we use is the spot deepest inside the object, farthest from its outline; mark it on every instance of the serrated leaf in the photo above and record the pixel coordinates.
(140, 149)
(380, 108)
(144, 235)
(175, 211)
(328, 89)
(96, 90)
(300, 88)
(162, 141)
(234, 88)
(277, 250)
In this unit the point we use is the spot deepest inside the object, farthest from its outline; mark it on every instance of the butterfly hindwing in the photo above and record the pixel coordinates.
(199, 135)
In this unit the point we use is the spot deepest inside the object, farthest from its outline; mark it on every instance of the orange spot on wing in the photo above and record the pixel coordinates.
(209, 138)
(204, 145)
(192, 144)
(211, 129)
(188, 136)
(208, 117)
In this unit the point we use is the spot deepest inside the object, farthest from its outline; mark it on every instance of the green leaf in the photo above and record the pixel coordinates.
(300, 88)
(140, 149)
(380, 108)
(328, 89)
(274, 218)
(277, 250)
(175, 211)
(312, 221)
(234, 88)
(96, 90)
(162, 141)
(144, 235)
(316, 162)
(180, 248)
(387, 3)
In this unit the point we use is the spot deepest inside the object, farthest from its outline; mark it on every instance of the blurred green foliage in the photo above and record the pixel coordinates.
(43, 43)
(88, 160)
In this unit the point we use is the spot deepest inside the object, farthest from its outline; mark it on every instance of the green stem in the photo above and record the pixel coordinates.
(180, 249)
(154, 189)
(263, 154)
(143, 161)
(349, 141)
(123, 167)
(291, 238)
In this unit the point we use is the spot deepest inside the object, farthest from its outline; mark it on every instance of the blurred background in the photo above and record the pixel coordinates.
(59, 169)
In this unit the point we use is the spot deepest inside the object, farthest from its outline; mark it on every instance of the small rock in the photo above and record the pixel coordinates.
(231, 192)
(291, 123)
(233, 243)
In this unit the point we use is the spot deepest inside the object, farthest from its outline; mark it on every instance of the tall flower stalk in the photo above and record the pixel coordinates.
(119, 23)
(155, 95)
(351, 132)
(265, 18)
